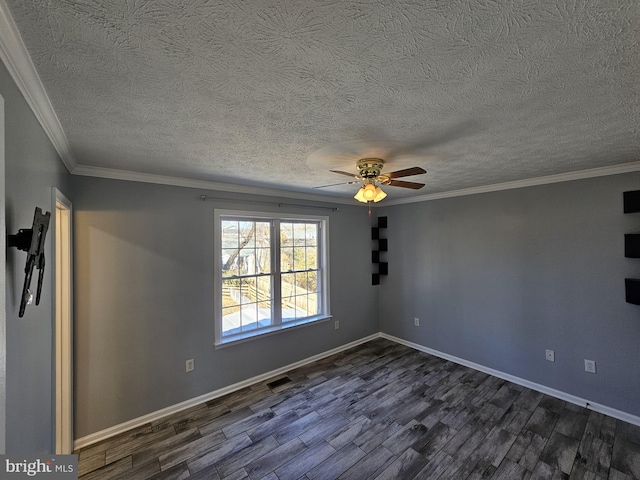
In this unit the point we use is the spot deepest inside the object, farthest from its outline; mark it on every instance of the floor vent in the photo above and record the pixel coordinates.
(279, 382)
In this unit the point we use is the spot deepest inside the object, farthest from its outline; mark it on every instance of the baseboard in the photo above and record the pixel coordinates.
(157, 415)
(612, 412)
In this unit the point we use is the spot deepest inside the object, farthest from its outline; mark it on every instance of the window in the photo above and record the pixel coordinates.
(271, 273)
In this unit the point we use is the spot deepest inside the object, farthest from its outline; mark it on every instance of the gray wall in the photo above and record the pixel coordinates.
(497, 278)
(144, 300)
(32, 168)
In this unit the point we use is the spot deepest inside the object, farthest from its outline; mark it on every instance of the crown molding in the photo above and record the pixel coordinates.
(115, 174)
(530, 182)
(16, 58)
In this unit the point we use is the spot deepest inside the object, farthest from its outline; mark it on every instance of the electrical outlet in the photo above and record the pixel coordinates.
(589, 366)
(190, 365)
(416, 322)
(550, 355)
(336, 324)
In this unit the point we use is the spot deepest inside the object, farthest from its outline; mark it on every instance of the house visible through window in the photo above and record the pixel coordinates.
(271, 273)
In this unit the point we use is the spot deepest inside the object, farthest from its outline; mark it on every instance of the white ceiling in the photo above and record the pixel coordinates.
(248, 92)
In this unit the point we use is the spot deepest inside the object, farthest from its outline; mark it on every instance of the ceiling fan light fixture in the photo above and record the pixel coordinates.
(380, 195)
(359, 196)
(369, 192)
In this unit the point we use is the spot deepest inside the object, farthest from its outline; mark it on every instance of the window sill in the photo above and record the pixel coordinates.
(248, 336)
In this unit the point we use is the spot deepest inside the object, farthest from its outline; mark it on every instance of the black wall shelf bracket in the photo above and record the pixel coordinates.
(632, 290)
(631, 204)
(376, 257)
(631, 201)
(632, 245)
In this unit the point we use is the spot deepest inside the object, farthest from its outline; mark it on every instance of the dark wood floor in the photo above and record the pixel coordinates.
(377, 411)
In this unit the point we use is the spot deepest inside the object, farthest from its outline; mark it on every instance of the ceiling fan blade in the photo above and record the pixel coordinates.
(345, 173)
(407, 172)
(341, 183)
(400, 183)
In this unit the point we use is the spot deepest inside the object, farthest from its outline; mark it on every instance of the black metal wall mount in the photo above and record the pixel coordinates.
(631, 202)
(31, 240)
(376, 255)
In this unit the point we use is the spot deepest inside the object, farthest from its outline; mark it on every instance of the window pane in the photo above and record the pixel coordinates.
(244, 305)
(246, 235)
(301, 283)
(311, 235)
(247, 261)
(312, 258)
(239, 240)
(308, 258)
(286, 234)
(230, 321)
(299, 258)
(230, 305)
(231, 286)
(294, 307)
(229, 262)
(288, 310)
(264, 314)
(286, 259)
(249, 290)
(312, 307)
(263, 289)
(229, 233)
(301, 306)
(249, 317)
(287, 284)
(263, 260)
(299, 295)
(263, 234)
(299, 232)
(312, 282)
(230, 293)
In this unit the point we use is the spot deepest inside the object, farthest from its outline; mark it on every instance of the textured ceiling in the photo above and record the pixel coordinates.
(274, 93)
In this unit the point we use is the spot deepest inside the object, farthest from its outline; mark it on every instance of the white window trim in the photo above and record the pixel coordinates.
(323, 245)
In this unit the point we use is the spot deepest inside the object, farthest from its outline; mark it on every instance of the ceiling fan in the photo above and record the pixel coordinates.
(371, 176)
(368, 155)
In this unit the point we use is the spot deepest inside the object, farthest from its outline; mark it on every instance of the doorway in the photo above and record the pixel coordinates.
(63, 299)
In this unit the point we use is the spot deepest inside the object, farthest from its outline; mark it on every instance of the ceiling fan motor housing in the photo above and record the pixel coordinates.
(370, 167)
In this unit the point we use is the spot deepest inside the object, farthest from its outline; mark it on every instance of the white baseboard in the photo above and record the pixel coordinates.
(157, 415)
(612, 412)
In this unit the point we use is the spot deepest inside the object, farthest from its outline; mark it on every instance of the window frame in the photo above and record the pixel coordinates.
(275, 218)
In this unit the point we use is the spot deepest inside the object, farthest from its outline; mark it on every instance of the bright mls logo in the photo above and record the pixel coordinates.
(54, 467)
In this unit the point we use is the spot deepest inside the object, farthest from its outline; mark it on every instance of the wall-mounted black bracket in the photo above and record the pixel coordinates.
(21, 240)
(383, 267)
(31, 240)
(632, 245)
(631, 201)
(631, 204)
(632, 290)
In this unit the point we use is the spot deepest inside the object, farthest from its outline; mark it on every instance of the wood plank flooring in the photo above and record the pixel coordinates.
(377, 411)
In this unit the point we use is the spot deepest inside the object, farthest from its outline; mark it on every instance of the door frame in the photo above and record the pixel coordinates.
(3, 273)
(62, 295)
